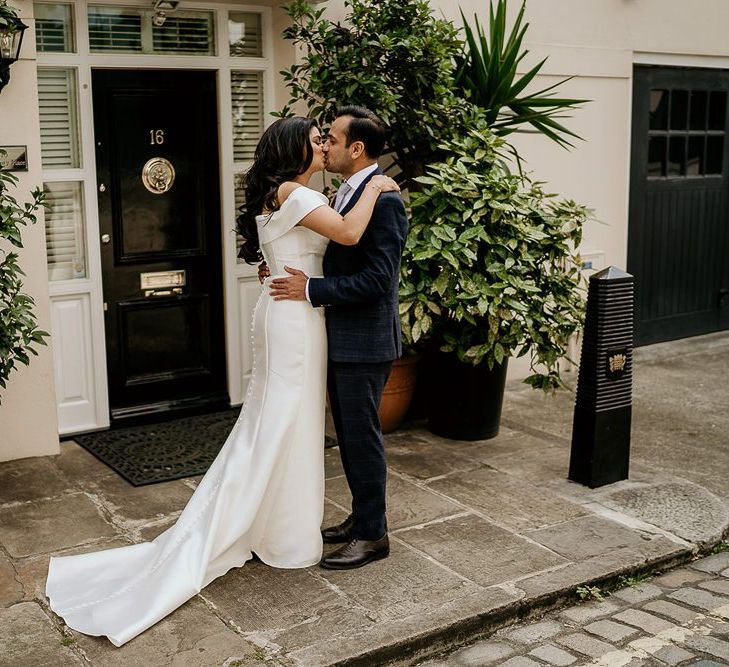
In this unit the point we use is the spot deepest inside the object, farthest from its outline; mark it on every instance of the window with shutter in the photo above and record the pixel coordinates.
(245, 35)
(247, 105)
(65, 231)
(54, 28)
(129, 30)
(60, 145)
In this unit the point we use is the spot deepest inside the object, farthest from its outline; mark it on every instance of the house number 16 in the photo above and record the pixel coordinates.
(156, 137)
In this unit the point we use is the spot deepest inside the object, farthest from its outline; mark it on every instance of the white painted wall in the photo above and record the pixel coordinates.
(28, 424)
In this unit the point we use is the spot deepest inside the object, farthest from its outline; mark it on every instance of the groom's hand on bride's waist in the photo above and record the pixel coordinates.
(292, 288)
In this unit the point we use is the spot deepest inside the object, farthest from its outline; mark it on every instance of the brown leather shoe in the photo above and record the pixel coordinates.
(357, 553)
(340, 533)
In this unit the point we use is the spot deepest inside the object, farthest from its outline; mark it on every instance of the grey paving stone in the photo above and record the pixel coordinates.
(708, 663)
(293, 606)
(333, 463)
(51, 525)
(672, 655)
(422, 459)
(11, 590)
(679, 577)
(682, 508)
(716, 586)
(613, 632)
(533, 633)
(407, 504)
(28, 639)
(638, 594)
(696, 597)
(582, 643)
(647, 622)
(725, 573)
(712, 564)
(589, 611)
(711, 645)
(482, 653)
(672, 610)
(586, 537)
(520, 661)
(516, 504)
(553, 655)
(479, 550)
(31, 479)
(191, 636)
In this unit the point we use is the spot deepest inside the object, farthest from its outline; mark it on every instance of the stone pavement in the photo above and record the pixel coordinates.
(680, 618)
(483, 534)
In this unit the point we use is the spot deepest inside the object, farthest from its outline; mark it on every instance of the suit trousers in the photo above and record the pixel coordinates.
(355, 390)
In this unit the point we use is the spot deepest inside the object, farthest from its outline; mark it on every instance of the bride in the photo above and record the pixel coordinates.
(264, 493)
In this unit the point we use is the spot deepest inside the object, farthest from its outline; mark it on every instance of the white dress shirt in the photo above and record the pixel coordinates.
(354, 181)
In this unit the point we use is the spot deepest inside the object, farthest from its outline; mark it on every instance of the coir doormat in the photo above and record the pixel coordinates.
(161, 452)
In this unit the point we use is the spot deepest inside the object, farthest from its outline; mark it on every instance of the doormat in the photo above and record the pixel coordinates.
(161, 452)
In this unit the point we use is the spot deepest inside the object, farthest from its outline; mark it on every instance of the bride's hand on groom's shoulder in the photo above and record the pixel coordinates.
(263, 272)
(384, 183)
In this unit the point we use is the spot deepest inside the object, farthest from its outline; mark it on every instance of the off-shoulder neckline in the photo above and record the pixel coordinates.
(288, 199)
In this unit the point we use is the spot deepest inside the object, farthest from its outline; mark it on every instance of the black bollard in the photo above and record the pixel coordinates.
(603, 406)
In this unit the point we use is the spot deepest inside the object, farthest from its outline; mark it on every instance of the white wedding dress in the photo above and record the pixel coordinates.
(264, 492)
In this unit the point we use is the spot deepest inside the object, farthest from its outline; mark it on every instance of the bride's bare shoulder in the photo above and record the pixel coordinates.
(286, 189)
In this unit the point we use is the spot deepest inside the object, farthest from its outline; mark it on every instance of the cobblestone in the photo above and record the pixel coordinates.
(553, 655)
(639, 593)
(613, 632)
(677, 620)
(589, 646)
(672, 610)
(646, 622)
(712, 564)
(699, 598)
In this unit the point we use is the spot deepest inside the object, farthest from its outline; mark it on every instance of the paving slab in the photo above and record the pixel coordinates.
(11, 590)
(190, 637)
(587, 536)
(712, 564)
(638, 593)
(407, 503)
(422, 459)
(671, 610)
(332, 463)
(51, 525)
(287, 608)
(481, 551)
(508, 500)
(28, 638)
(679, 577)
(682, 508)
(711, 645)
(719, 586)
(139, 503)
(482, 653)
(553, 655)
(696, 597)
(31, 480)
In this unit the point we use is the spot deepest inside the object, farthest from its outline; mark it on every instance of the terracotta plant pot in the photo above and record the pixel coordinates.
(398, 392)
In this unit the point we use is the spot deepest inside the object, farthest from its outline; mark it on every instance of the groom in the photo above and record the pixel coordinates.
(359, 291)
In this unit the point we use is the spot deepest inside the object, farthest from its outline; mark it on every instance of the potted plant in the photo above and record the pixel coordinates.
(18, 331)
(490, 271)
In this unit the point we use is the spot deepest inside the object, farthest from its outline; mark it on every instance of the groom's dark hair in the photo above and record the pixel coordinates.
(366, 127)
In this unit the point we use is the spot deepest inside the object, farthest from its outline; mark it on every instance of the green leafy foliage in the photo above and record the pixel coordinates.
(18, 331)
(393, 57)
(490, 268)
(486, 72)
(8, 16)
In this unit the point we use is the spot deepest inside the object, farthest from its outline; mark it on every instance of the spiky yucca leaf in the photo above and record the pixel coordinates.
(487, 71)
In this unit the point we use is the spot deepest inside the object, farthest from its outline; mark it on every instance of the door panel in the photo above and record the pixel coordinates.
(157, 165)
(678, 237)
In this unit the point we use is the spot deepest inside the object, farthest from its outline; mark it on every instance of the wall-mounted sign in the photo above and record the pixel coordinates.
(14, 158)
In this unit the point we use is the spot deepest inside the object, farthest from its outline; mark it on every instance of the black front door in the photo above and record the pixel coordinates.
(678, 239)
(159, 218)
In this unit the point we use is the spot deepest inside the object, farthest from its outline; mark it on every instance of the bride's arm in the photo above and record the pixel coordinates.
(345, 230)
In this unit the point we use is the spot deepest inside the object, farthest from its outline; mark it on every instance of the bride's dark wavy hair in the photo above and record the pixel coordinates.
(283, 153)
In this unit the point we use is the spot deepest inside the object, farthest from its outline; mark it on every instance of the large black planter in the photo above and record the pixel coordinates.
(464, 401)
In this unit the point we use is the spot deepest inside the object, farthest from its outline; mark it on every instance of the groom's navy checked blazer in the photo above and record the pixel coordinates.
(361, 284)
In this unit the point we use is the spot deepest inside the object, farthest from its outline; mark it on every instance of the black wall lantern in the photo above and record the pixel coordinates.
(11, 39)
